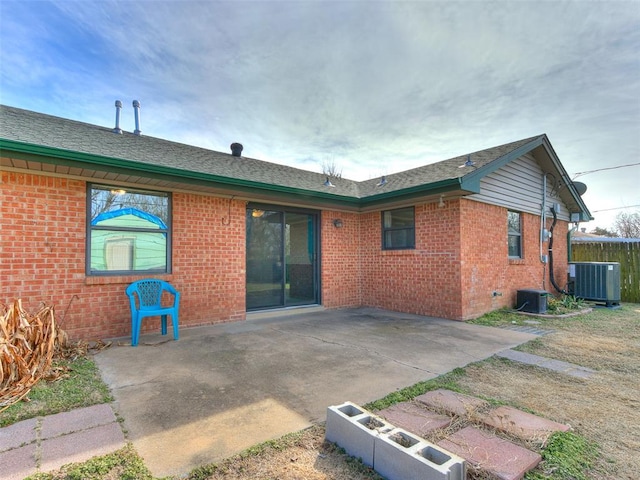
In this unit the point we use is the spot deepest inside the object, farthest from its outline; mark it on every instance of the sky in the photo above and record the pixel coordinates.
(371, 87)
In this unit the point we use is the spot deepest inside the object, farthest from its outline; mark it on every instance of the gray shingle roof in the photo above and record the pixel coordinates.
(440, 171)
(38, 129)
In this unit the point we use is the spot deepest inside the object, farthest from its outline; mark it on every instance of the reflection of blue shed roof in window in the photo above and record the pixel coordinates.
(129, 211)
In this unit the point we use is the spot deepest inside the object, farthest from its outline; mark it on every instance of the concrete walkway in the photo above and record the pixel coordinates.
(46, 443)
(221, 389)
(543, 362)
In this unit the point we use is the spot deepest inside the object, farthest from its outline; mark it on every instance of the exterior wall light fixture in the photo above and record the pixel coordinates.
(337, 223)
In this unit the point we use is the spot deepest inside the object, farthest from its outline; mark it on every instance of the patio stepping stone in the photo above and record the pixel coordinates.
(567, 368)
(414, 418)
(485, 451)
(522, 424)
(494, 455)
(452, 402)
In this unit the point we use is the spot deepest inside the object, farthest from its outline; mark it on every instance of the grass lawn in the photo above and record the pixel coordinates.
(80, 386)
(601, 410)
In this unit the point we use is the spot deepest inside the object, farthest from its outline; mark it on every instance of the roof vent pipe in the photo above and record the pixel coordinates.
(118, 108)
(136, 109)
(236, 149)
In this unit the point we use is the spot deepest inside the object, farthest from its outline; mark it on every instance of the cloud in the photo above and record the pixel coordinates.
(377, 87)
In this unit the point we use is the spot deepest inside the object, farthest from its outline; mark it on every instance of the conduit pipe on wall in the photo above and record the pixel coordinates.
(569, 233)
(551, 277)
(542, 215)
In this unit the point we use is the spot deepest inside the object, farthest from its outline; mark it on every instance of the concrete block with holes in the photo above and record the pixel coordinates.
(401, 455)
(355, 429)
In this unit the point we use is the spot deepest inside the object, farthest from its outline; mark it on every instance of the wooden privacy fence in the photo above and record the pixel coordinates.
(627, 254)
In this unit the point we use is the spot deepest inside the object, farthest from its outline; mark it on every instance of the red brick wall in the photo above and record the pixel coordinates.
(485, 264)
(423, 281)
(460, 259)
(209, 257)
(42, 243)
(42, 252)
(340, 255)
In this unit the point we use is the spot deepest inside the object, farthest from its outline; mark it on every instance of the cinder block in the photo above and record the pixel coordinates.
(354, 429)
(399, 455)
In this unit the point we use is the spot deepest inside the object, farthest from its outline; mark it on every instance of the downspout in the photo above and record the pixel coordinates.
(569, 233)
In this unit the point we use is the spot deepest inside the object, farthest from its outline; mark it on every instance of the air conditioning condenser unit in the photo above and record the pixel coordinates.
(595, 281)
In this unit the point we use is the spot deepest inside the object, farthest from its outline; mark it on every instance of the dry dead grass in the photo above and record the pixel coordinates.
(31, 345)
(604, 408)
(27, 345)
(306, 456)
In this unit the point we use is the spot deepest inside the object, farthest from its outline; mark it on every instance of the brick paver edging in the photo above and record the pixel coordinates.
(46, 443)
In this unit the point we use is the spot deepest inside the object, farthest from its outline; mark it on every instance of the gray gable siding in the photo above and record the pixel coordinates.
(518, 186)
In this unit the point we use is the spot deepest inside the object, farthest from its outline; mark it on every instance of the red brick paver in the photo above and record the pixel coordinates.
(76, 420)
(414, 418)
(494, 455)
(451, 402)
(47, 443)
(80, 446)
(522, 424)
(18, 463)
(21, 433)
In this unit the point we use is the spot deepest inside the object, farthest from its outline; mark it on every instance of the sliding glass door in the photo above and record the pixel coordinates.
(282, 257)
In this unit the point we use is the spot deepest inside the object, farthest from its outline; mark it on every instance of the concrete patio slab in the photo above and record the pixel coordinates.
(222, 388)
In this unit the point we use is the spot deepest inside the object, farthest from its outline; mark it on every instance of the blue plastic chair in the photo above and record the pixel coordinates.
(148, 304)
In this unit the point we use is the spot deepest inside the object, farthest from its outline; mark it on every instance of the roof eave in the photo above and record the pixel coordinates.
(541, 140)
(74, 159)
(435, 188)
(500, 162)
(585, 214)
(25, 151)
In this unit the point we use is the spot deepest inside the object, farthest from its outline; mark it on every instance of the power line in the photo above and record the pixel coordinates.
(615, 208)
(579, 174)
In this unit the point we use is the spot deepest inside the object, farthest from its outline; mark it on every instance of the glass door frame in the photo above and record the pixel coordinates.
(314, 215)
